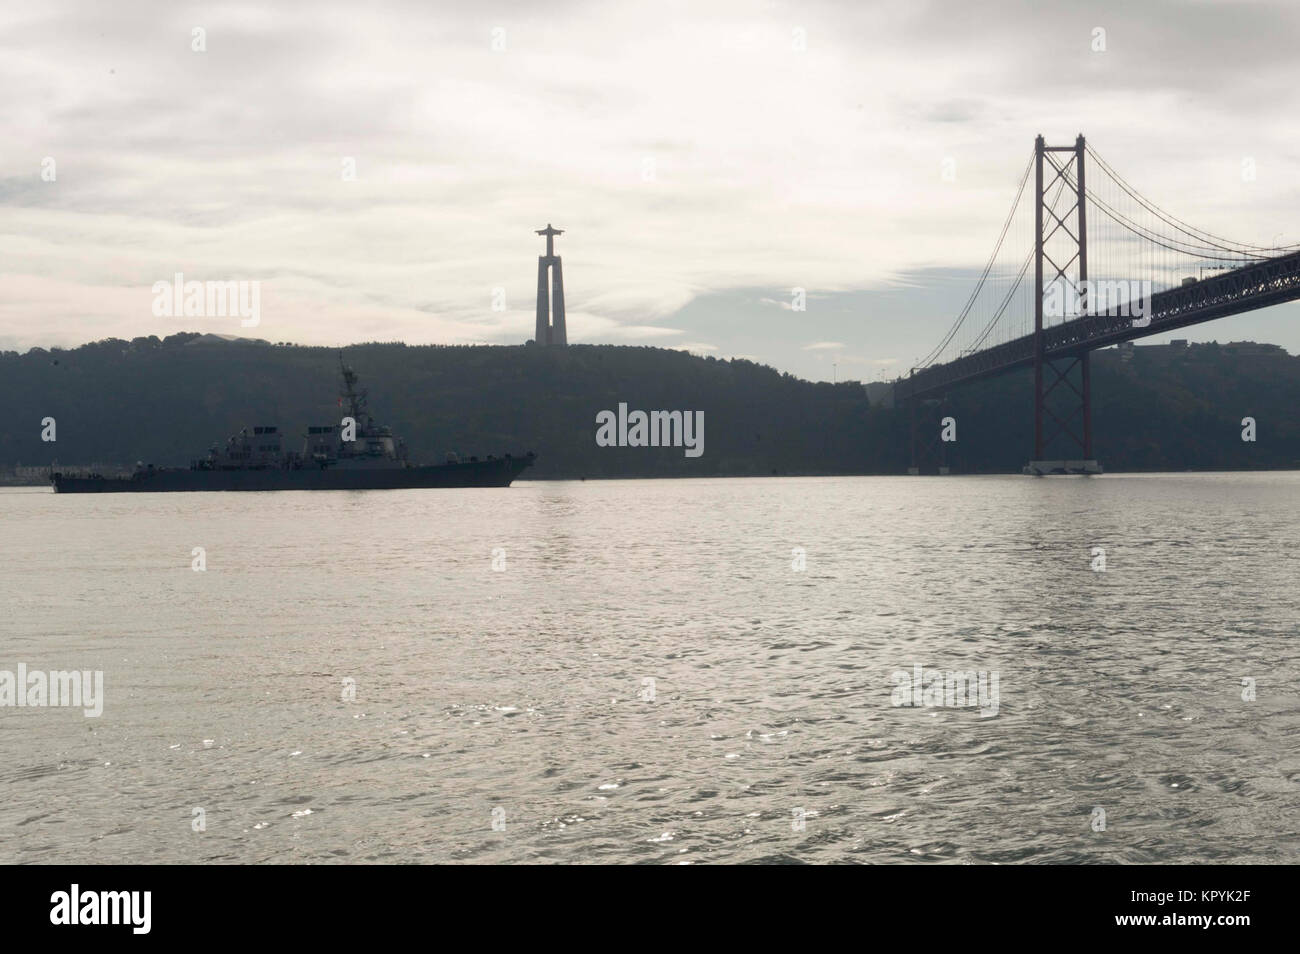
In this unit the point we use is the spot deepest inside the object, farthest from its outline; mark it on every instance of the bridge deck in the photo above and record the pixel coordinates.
(1270, 282)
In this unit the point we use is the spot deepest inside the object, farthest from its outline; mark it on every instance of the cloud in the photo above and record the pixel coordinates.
(872, 362)
(823, 346)
(693, 153)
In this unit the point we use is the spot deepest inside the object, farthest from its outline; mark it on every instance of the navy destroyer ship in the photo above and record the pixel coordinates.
(356, 454)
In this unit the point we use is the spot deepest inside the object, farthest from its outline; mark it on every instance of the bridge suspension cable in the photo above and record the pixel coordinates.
(1166, 241)
(1173, 220)
(1130, 239)
(961, 318)
(1020, 276)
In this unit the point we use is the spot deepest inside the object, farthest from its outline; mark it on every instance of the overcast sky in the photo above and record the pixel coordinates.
(702, 164)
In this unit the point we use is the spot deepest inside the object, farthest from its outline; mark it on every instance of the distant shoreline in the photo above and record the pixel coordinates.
(27, 484)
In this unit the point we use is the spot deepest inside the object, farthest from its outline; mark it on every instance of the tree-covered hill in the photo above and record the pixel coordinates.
(165, 401)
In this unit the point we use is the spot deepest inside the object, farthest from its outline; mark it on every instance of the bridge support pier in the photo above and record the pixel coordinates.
(1085, 366)
(1063, 417)
(1055, 417)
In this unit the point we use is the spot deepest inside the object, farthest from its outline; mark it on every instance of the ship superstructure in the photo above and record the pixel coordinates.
(356, 454)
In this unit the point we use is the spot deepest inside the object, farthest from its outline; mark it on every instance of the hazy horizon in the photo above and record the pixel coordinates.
(847, 376)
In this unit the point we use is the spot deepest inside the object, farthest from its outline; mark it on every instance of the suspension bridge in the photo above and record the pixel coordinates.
(1108, 266)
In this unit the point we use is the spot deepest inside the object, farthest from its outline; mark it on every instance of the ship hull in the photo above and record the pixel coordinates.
(498, 472)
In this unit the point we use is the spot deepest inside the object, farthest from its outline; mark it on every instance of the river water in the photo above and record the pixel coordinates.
(673, 671)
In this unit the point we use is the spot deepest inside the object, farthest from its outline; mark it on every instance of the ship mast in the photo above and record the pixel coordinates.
(356, 399)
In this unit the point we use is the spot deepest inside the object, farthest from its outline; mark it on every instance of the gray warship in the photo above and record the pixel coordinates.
(362, 456)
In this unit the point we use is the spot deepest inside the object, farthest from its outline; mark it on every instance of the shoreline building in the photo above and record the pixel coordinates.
(550, 293)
